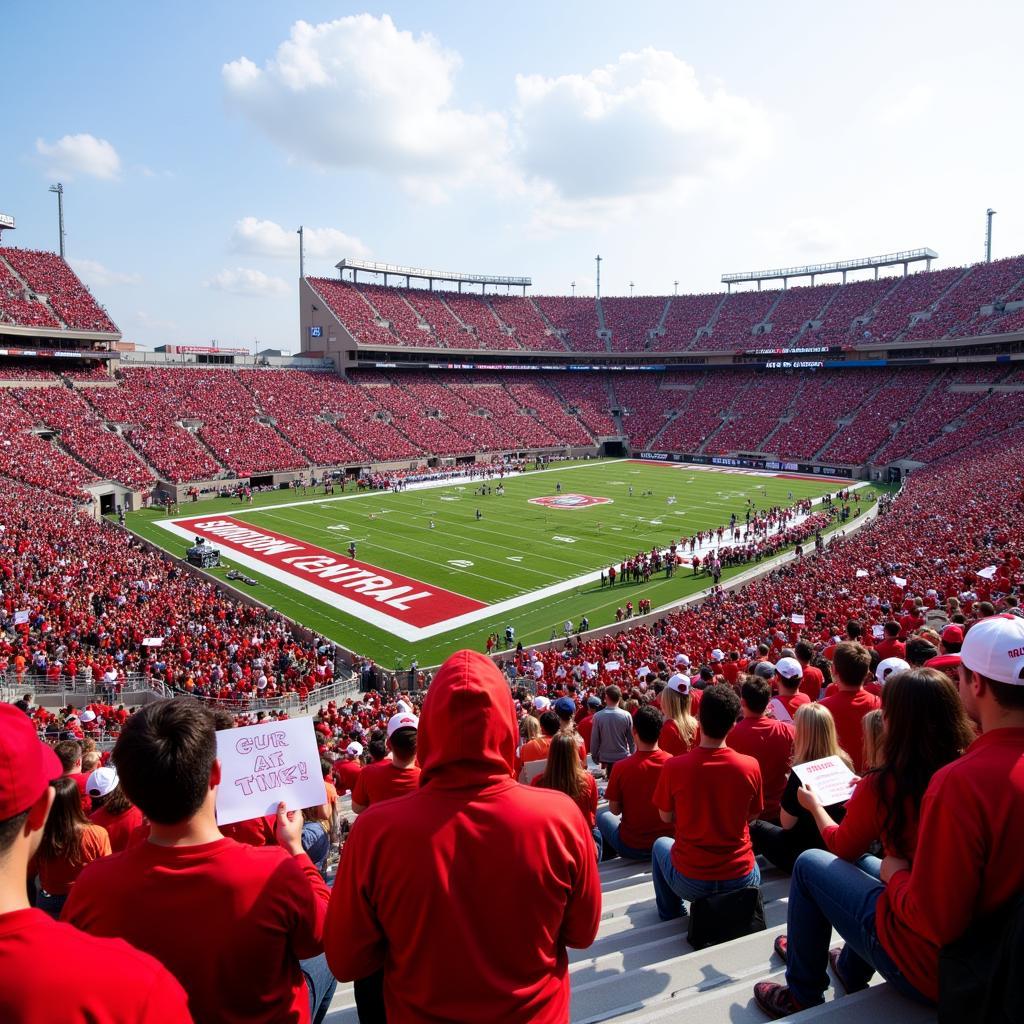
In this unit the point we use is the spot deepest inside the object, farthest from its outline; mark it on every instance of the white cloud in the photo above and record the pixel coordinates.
(72, 155)
(915, 102)
(358, 92)
(96, 275)
(268, 238)
(244, 281)
(642, 125)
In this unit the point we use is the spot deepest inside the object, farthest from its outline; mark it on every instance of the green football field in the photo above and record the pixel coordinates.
(521, 558)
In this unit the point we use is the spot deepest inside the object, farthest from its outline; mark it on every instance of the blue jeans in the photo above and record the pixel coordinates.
(671, 888)
(609, 825)
(321, 984)
(828, 893)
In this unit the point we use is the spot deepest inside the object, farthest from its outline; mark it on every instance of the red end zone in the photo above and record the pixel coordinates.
(386, 592)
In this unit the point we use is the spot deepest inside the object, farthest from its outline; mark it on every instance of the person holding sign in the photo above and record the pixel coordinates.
(425, 880)
(241, 927)
(34, 949)
(815, 738)
(926, 728)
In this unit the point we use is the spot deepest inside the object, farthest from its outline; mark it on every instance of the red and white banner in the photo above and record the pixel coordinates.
(304, 565)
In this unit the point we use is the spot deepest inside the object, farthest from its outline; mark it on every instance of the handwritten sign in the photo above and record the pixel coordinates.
(798, 619)
(262, 765)
(828, 777)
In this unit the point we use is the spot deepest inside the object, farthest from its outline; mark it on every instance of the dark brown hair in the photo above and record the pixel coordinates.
(851, 663)
(926, 727)
(563, 770)
(62, 837)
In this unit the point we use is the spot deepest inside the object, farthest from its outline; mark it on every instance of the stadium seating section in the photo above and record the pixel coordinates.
(925, 306)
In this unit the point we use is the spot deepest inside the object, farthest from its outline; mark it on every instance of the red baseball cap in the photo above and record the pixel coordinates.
(27, 765)
(953, 634)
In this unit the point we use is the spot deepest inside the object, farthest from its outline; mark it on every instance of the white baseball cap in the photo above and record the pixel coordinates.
(402, 721)
(718, 655)
(888, 666)
(789, 668)
(541, 703)
(354, 749)
(101, 782)
(683, 659)
(681, 683)
(89, 716)
(994, 648)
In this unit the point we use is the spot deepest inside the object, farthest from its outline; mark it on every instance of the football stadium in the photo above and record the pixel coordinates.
(495, 644)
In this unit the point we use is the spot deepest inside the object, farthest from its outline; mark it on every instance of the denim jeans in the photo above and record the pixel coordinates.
(321, 984)
(828, 893)
(598, 842)
(671, 888)
(609, 824)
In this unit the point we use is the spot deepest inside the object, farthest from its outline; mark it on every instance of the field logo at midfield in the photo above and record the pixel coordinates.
(570, 501)
(359, 588)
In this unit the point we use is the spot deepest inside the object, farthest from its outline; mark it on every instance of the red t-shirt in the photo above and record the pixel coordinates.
(812, 682)
(791, 704)
(671, 740)
(586, 801)
(229, 921)
(34, 989)
(384, 781)
(971, 835)
(119, 827)
(714, 794)
(633, 784)
(848, 708)
(346, 773)
(81, 778)
(894, 648)
(731, 671)
(770, 743)
(585, 726)
(251, 832)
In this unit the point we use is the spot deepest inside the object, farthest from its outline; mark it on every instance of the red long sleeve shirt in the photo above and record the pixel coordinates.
(865, 822)
(471, 873)
(229, 921)
(969, 857)
(41, 979)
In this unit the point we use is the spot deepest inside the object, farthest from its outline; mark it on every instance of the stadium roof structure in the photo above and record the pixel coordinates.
(392, 270)
(892, 259)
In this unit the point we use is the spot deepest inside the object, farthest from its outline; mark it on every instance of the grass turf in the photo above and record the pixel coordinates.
(517, 547)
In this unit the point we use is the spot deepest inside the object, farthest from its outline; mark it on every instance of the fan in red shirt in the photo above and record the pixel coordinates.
(347, 768)
(564, 773)
(789, 675)
(261, 909)
(112, 810)
(711, 794)
(480, 839)
(926, 730)
(851, 663)
(390, 778)
(812, 680)
(33, 990)
(632, 823)
(890, 646)
(768, 741)
(70, 754)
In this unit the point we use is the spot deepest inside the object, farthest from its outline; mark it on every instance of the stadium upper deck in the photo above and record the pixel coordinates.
(959, 302)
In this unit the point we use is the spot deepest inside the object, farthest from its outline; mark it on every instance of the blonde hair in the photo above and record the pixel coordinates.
(873, 726)
(676, 707)
(816, 735)
(529, 728)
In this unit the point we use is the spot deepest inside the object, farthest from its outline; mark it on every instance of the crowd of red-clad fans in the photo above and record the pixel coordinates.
(895, 656)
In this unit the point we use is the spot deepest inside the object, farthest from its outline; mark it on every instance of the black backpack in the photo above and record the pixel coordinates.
(725, 916)
(981, 974)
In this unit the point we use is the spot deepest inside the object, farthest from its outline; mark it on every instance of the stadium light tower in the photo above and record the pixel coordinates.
(572, 285)
(675, 287)
(302, 254)
(989, 214)
(631, 289)
(597, 260)
(59, 190)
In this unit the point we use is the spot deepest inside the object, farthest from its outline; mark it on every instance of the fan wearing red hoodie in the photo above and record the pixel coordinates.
(481, 839)
(260, 910)
(33, 987)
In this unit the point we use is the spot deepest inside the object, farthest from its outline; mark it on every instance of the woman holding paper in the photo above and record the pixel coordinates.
(814, 740)
(926, 727)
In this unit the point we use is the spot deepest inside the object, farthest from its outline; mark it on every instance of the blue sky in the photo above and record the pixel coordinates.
(680, 140)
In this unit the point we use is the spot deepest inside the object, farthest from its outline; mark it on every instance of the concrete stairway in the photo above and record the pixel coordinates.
(641, 969)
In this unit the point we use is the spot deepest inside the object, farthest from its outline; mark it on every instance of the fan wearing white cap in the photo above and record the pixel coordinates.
(348, 767)
(789, 674)
(111, 808)
(888, 667)
(394, 776)
(679, 730)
